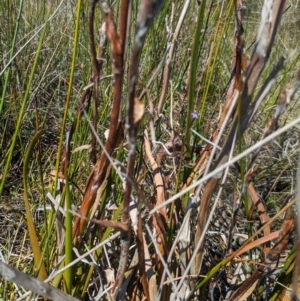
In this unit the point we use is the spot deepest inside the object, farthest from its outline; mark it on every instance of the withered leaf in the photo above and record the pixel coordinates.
(138, 110)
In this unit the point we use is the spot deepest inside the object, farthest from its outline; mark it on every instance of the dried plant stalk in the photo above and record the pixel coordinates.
(37, 286)
(135, 110)
(98, 173)
(270, 18)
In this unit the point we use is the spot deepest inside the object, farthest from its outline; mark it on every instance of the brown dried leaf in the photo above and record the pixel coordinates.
(262, 211)
(247, 286)
(257, 243)
(249, 291)
(159, 183)
(244, 62)
(252, 173)
(288, 226)
(119, 226)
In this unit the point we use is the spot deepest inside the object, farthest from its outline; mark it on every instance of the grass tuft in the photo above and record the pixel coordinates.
(149, 150)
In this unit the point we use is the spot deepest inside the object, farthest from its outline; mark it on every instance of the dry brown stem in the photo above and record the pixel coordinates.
(271, 14)
(135, 110)
(98, 173)
(258, 203)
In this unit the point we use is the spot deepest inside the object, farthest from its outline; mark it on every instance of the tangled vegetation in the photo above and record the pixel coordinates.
(149, 150)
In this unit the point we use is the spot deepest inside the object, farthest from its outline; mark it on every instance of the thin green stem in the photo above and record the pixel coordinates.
(24, 102)
(193, 72)
(7, 78)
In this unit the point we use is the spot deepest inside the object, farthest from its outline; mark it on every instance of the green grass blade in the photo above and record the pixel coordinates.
(7, 78)
(68, 246)
(24, 102)
(221, 26)
(70, 87)
(193, 72)
(68, 275)
(37, 254)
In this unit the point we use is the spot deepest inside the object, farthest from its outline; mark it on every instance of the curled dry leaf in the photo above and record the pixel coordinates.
(158, 180)
(138, 110)
(106, 134)
(110, 276)
(287, 228)
(81, 148)
(53, 174)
